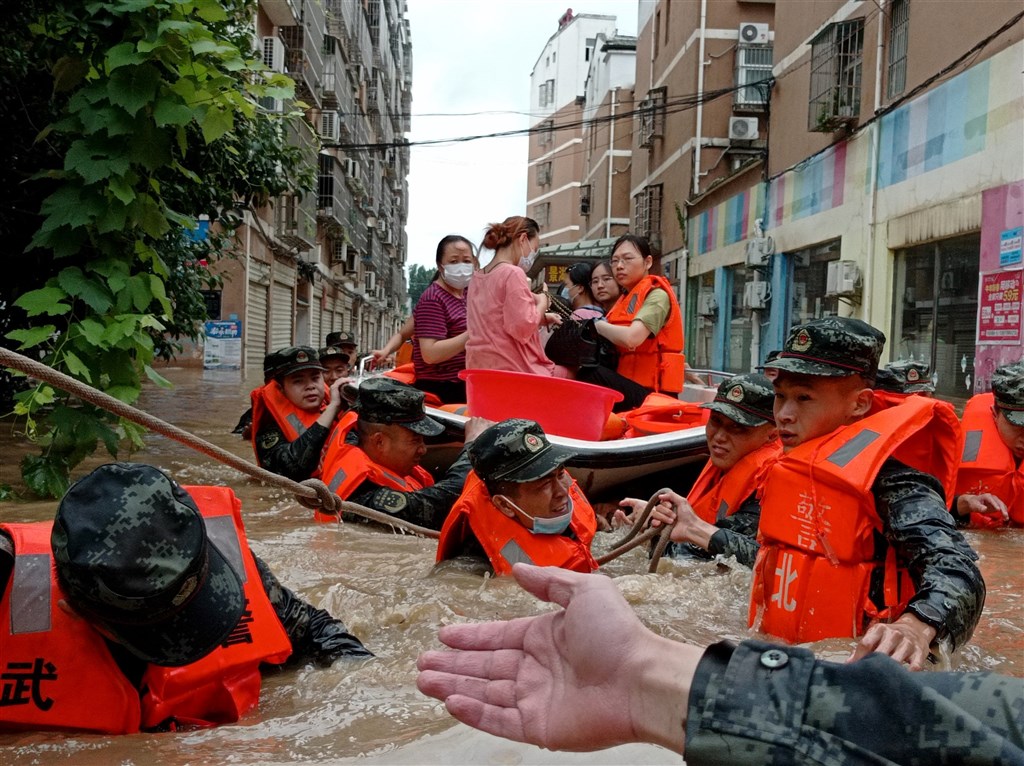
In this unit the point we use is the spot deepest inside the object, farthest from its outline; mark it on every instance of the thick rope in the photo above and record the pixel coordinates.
(311, 493)
(634, 538)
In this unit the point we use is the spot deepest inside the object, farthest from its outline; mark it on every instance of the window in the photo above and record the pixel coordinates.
(753, 65)
(544, 174)
(585, 199)
(836, 58)
(553, 55)
(899, 23)
(591, 42)
(542, 214)
(545, 133)
(935, 314)
(740, 332)
(546, 93)
(809, 284)
(657, 32)
(648, 214)
(701, 294)
(652, 116)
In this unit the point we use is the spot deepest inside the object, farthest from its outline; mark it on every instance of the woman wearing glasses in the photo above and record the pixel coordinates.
(645, 324)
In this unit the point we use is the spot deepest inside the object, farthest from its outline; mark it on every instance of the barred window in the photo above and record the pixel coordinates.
(899, 25)
(652, 116)
(753, 65)
(542, 214)
(648, 214)
(544, 174)
(585, 199)
(545, 133)
(836, 60)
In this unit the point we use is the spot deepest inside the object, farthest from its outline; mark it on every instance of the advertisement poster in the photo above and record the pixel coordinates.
(223, 348)
(999, 307)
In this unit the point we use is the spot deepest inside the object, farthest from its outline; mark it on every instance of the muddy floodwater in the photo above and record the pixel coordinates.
(386, 589)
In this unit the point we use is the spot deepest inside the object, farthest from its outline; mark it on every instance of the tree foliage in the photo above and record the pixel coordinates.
(420, 278)
(134, 117)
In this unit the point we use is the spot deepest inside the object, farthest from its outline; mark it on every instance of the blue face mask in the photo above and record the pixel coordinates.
(555, 525)
(564, 292)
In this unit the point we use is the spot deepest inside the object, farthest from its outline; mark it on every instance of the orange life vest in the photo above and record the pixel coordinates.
(506, 541)
(53, 657)
(293, 421)
(657, 363)
(344, 467)
(818, 524)
(716, 495)
(225, 684)
(987, 465)
(939, 460)
(57, 673)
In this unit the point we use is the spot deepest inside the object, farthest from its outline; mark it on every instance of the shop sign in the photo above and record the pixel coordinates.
(999, 307)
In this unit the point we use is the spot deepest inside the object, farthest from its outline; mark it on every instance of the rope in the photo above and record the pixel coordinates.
(634, 538)
(311, 493)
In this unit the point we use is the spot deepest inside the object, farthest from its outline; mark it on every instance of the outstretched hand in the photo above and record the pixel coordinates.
(906, 640)
(583, 678)
(986, 511)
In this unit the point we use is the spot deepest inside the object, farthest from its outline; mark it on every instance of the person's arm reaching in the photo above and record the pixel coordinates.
(314, 634)
(556, 681)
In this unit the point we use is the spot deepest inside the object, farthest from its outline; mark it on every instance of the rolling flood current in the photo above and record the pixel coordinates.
(385, 588)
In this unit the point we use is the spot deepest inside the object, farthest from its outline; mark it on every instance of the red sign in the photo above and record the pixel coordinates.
(999, 307)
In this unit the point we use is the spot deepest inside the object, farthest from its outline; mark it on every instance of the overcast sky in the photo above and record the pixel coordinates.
(472, 56)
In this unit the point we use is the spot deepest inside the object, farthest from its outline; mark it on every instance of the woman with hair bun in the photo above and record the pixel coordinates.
(503, 316)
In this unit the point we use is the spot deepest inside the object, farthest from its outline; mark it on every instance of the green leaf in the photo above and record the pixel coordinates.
(121, 189)
(45, 477)
(215, 123)
(210, 10)
(45, 300)
(170, 111)
(68, 72)
(93, 161)
(150, 217)
(92, 330)
(126, 394)
(77, 367)
(94, 293)
(32, 336)
(123, 55)
(133, 86)
(137, 287)
(156, 286)
(157, 378)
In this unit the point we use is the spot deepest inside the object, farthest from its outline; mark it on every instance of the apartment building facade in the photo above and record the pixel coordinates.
(333, 258)
(556, 158)
(890, 189)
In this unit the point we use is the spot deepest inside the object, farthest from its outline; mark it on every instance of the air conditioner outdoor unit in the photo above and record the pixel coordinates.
(707, 306)
(270, 104)
(753, 34)
(756, 295)
(842, 279)
(329, 124)
(759, 251)
(742, 128)
(273, 53)
(351, 167)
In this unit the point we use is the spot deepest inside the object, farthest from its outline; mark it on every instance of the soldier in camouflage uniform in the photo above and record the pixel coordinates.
(554, 681)
(297, 458)
(389, 434)
(823, 380)
(134, 558)
(905, 376)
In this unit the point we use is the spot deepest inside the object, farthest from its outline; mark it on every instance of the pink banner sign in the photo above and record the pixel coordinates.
(999, 307)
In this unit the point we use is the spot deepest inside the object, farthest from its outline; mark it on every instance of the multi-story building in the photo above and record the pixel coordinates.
(331, 259)
(557, 88)
(889, 188)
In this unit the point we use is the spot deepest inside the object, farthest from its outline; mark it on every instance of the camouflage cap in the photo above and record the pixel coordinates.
(1008, 390)
(515, 450)
(285, 361)
(831, 347)
(340, 338)
(748, 399)
(387, 401)
(905, 376)
(333, 352)
(132, 556)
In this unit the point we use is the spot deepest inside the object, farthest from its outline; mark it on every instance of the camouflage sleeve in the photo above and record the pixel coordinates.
(950, 591)
(777, 705)
(315, 635)
(298, 460)
(427, 507)
(737, 535)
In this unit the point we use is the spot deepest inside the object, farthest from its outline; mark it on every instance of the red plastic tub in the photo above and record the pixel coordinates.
(562, 407)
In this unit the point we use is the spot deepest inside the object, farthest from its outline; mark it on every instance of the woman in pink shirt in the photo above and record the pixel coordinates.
(503, 316)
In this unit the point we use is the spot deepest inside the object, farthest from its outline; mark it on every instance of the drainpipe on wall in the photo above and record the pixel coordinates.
(876, 129)
(611, 159)
(700, 94)
(246, 329)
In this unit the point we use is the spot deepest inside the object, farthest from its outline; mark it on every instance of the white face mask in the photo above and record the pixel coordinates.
(527, 260)
(457, 275)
